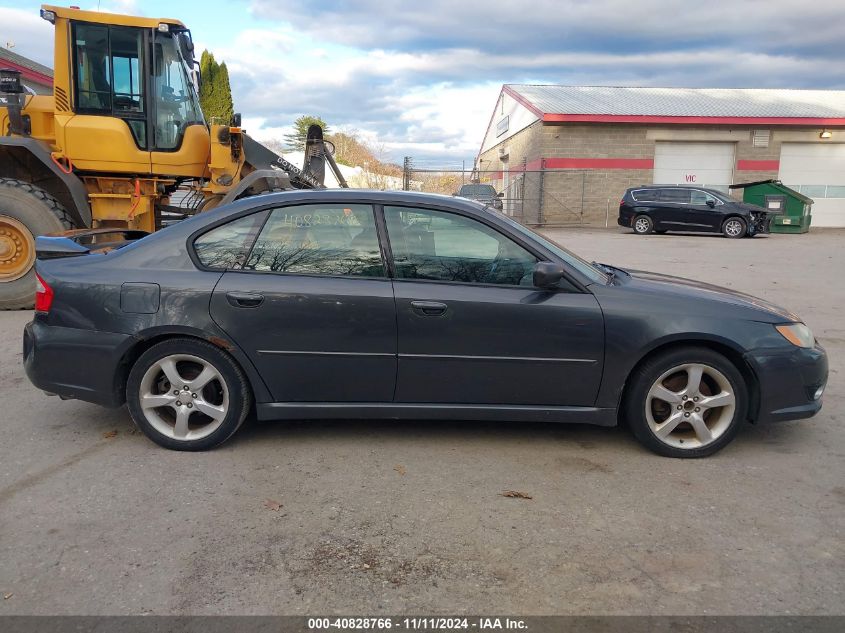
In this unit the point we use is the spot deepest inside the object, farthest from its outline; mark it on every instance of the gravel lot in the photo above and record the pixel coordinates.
(389, 518)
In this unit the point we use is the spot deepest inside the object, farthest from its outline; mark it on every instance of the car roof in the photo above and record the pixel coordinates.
(696, 187)
(316, 196)
(373, 196)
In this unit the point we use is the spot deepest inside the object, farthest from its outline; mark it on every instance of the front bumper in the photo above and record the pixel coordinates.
(75, 363)
(760, 224)
(790, 381)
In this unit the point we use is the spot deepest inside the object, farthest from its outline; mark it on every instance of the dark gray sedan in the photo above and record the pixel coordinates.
(362, 304)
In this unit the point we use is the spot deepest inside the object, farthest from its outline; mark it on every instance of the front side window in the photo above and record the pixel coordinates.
(177, 104)
(226, 247)
(319, 239)
(702, 197)
(438, 246)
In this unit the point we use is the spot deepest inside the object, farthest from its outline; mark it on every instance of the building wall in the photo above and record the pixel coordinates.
(583, 169)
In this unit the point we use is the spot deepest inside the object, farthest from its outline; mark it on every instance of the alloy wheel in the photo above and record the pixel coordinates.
(184, 397)
(733, 228)
(690, 406)
(642, 225)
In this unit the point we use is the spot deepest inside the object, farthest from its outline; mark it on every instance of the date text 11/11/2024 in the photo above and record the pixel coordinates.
(418, 624)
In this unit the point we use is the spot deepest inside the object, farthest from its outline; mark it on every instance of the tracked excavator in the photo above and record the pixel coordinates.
(121, 147)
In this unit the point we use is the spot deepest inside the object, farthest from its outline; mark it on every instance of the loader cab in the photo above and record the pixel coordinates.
(130, 94)
(141, 76)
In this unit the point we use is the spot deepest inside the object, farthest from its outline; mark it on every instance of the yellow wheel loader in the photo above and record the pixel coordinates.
(121, 137)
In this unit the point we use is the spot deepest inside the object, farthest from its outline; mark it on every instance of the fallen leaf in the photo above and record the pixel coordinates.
(110, 434)
(6, 596)
(399, 468)
(516, 494)
(275, 506)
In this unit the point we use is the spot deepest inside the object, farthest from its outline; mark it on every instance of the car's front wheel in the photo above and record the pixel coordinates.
(187, 395)
(688, 402)
(643, 225)
(734, 228)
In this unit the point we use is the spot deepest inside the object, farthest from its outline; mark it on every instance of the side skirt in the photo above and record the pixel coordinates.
(412, 411)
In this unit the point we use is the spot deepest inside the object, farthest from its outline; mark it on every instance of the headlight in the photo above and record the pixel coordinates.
(797, 333)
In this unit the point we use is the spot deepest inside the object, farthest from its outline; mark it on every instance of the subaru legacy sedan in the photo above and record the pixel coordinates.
(364, 304)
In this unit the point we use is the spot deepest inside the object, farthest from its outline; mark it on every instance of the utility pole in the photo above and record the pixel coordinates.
(406, 174)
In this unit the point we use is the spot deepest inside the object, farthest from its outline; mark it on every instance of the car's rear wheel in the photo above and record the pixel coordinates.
(688, 402)
(643, 225)
(734, 228)
(187, 395)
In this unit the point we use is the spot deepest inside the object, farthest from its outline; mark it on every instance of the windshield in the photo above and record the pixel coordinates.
(177, 104)
(478, 190)
(582, 266)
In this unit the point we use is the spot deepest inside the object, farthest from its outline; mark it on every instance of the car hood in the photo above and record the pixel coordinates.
(689, 289)
(751, 208)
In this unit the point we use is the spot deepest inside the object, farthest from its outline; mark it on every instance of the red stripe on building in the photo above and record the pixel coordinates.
(28, 73)
(599, 163)
(757, 165)
(687, 120)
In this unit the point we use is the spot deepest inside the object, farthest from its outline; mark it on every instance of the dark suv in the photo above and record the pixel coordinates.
(486, 194)
(660, 209)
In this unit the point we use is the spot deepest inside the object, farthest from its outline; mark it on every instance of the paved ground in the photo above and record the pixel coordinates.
(393, 518)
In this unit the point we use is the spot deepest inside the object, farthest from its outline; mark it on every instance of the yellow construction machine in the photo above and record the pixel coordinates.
(121, 145)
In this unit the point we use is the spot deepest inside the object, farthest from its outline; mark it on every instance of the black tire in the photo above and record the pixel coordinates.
(39, 213)
(642, 225)
(646, 375)
(734, 228)
(236, 385)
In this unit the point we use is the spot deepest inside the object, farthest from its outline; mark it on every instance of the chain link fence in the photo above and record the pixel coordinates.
(533, 197)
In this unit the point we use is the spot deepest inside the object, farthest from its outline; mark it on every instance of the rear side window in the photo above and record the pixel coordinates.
(227, 246)
(675, 195)
(645, 195)
(334, 239)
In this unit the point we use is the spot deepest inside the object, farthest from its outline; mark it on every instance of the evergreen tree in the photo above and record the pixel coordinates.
(223, 102)
(215, 91)
(296, 139)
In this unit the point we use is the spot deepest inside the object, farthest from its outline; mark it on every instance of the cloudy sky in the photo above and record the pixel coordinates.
(421, 78)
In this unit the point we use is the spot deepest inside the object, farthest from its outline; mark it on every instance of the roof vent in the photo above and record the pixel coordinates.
(760, 138)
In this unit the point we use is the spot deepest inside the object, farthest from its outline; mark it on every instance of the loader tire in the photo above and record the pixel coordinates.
(26, 211)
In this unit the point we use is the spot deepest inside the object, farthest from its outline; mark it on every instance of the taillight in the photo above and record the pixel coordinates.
(43, 295)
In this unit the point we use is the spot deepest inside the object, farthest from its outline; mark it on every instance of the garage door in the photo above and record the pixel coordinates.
(702, 164)
(817, 170)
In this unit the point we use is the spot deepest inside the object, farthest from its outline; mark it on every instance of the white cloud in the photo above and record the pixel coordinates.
(32, 37)
(422, 79)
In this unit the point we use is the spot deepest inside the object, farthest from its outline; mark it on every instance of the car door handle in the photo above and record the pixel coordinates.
(429, 308)
(244, 299)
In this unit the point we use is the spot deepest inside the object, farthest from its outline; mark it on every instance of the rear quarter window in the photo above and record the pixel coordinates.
(645, 195)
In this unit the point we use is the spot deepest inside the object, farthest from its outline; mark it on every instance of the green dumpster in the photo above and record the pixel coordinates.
(794, 207)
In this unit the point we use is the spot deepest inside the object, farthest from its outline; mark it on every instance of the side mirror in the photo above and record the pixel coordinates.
(711, 203)
(501, 194)
(548, 274)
